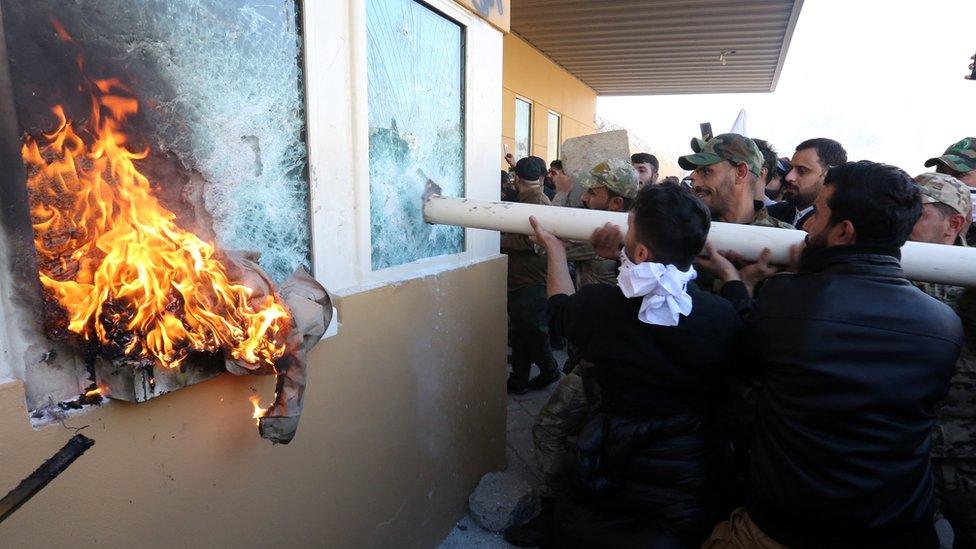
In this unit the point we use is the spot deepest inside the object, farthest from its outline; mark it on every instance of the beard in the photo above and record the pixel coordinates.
(813, 246)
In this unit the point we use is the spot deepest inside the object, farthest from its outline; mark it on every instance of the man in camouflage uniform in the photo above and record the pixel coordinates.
(959, 161)
(726, 172)
(946, 215)
(610, 186)
(726, 169)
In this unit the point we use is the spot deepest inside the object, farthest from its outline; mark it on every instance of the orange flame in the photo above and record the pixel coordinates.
(113, 258)
(258, 410)
(94, 392)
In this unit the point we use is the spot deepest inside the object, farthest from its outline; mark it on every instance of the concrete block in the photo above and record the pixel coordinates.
(584, 152)
(503, 500)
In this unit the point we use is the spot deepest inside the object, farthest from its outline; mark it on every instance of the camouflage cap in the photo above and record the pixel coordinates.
(617, 176)
(959, 157)
(727, 146)
(945, 189)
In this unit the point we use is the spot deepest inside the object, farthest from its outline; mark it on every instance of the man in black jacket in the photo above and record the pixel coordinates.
(853, 359)
(654, 349)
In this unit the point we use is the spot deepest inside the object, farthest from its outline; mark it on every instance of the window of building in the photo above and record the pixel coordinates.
(554, 137)
(523, 128)
(415, 97)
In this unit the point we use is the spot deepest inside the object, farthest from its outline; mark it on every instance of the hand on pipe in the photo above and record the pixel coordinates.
(715, 261)
(544, 238)
(607, 241)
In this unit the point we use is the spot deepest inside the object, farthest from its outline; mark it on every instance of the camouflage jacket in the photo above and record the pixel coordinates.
(707, 280)
(763, 219)
(590, 268)
(955, 429)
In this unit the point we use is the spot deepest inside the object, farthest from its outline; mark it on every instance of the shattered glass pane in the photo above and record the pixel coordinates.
(415, 83)
(221, 101)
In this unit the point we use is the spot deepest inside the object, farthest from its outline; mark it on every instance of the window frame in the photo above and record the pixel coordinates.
(549, 136)
(338, 141)
(531, 105)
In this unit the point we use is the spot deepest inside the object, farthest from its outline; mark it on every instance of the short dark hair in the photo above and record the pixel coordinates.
(672, 222)
(881, 201)
(645, 158)
(557, 164)
(770, 157)
(831, 153)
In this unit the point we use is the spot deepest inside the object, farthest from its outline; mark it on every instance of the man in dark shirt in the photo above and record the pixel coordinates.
(527, 293)
(852, 360)
(654, 349)
(803, 182)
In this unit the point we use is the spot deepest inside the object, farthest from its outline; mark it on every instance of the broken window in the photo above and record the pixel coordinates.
(208, 96)
(415, 89)
(220, 90)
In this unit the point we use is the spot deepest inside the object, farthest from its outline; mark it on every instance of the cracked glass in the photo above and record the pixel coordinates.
(221, 106)
(415, 90)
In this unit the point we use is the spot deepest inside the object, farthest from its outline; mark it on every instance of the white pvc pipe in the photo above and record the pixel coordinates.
(924, 262)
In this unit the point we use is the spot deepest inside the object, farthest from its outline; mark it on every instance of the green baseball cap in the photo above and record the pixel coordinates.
(945, 189)
(959, 157)
(617, 176)
(733, 147)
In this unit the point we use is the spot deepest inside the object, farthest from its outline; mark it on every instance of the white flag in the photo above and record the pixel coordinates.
(740, 124)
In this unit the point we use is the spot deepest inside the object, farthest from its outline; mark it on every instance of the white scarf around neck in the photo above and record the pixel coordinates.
(663, 287)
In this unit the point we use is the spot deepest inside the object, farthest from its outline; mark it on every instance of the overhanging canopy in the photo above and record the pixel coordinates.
(641, 47)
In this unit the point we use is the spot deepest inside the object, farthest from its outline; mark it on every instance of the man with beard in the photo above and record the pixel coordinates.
(959, 161)
(947, 212)
(726, 171)
(610, 186)
(853, 360)
(647, 167)
(810, 163)
(726, 174)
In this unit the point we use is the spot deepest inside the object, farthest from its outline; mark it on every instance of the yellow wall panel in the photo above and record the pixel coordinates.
(528, 73)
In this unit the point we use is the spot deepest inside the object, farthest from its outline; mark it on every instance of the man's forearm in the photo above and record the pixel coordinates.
(558, 280)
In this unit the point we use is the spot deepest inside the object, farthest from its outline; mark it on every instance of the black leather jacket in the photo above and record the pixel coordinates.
(852, 359)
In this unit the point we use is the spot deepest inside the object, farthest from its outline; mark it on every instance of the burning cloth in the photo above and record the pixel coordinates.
(128, 284)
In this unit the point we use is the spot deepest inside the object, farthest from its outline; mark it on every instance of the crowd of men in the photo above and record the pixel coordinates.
(715, 402)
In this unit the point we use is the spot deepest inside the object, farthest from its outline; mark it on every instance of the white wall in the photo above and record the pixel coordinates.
(338, 134)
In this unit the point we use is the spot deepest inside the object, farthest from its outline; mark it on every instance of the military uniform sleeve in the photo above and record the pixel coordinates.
(560, 419)
(579, 251)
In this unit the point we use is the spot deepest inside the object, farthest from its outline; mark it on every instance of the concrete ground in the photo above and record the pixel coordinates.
(522, 410)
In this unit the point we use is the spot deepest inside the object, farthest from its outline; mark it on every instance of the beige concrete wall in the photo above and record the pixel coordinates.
(529, 74)
(405, 410)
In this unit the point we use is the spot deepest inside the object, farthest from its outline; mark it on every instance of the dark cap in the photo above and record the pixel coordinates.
(528, 168)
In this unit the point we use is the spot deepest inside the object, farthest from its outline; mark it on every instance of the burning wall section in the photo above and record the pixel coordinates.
(126, 200)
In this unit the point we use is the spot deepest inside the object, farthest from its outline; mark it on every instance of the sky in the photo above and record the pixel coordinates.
(882, 77)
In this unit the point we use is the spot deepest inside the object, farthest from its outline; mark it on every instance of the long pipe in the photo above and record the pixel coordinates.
(924, 262)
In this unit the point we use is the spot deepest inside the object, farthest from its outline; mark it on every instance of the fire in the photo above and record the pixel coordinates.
(127, 277)
(258, 410)
(93, 393)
